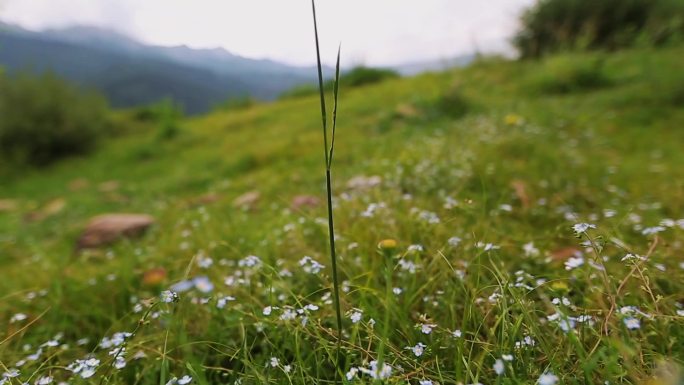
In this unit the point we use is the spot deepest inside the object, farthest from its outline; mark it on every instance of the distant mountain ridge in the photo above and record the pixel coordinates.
(131, 73)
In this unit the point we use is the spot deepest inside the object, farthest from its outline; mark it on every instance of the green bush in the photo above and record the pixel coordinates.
(568, 74)
(360, 76)
(356, 77)
(556, 25)
(168, 116)
(452, 103)
(44, 119)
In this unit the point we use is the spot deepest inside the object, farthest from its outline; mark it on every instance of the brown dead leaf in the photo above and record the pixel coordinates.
(520, 188)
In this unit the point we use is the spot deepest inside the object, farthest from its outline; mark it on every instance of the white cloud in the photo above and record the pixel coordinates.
(371, 31)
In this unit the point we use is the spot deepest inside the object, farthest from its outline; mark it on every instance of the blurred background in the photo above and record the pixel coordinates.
(82, 57)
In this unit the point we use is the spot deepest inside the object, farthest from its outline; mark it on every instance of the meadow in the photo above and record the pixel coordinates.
(512, 222)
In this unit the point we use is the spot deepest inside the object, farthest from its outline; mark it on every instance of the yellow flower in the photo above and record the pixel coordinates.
(513, 120)
(559, 286)
(387, 244)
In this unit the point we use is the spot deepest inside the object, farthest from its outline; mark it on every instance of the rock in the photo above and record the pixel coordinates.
(303, 201)
(247, 200)
(362, 182)
(105, 229)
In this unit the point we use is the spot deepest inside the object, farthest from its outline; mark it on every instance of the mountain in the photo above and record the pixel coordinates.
(131, 73)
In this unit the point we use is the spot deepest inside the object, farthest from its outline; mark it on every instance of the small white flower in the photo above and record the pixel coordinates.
(415, 249)
(288, 315)
(44, 380)
(397, 290)
(530, 250)
(377, 373)
(487, 246)
(352, 373)
(250, 261)
(18, 318)
(274, 362)
(547, 379)
(652, 230)
(632, 323)
(355, 316)
(12, 373)
(581, 228)
(427, 328)
(526, 341)
(574, 262)
(184, 380)
(310, 265)
(418, 349)
(457, 333)
(120, 362)
(454, 241)
(168, 296)
(507, 357)
(267, 310)
(203, 284)
(680, 313)
(425, 382)
(499, 367)
(204, 262)
(287, 368)
(221, 302)
(630, 257)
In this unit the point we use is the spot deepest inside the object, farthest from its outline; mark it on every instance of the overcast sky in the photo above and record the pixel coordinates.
(373, 32)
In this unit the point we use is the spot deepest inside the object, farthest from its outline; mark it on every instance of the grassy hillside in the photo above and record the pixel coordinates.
(483, 174)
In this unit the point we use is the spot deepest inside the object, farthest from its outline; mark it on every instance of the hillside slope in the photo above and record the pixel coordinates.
(484, 174)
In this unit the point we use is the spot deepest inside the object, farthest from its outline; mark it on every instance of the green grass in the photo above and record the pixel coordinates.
(520, 167)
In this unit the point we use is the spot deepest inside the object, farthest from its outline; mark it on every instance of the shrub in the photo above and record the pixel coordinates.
(565, 74)
(45, 119)
(452, 103)
(555, 25)
(361, 75)
(356, 77)
(168, 116)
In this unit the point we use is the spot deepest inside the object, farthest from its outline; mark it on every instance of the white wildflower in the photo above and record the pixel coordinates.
(581, 228)
(18, 317)
(168, 296)
(499, 367)
(356, 316)
(632, 323)
(418, 349)
(454, 241)
(574, 262)
(547, 379)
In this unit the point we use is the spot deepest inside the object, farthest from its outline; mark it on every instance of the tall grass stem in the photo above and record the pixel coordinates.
(328, 164)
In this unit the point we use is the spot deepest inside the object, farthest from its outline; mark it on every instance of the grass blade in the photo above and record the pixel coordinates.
(328, 164)
(324, 118)
(336, 88)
